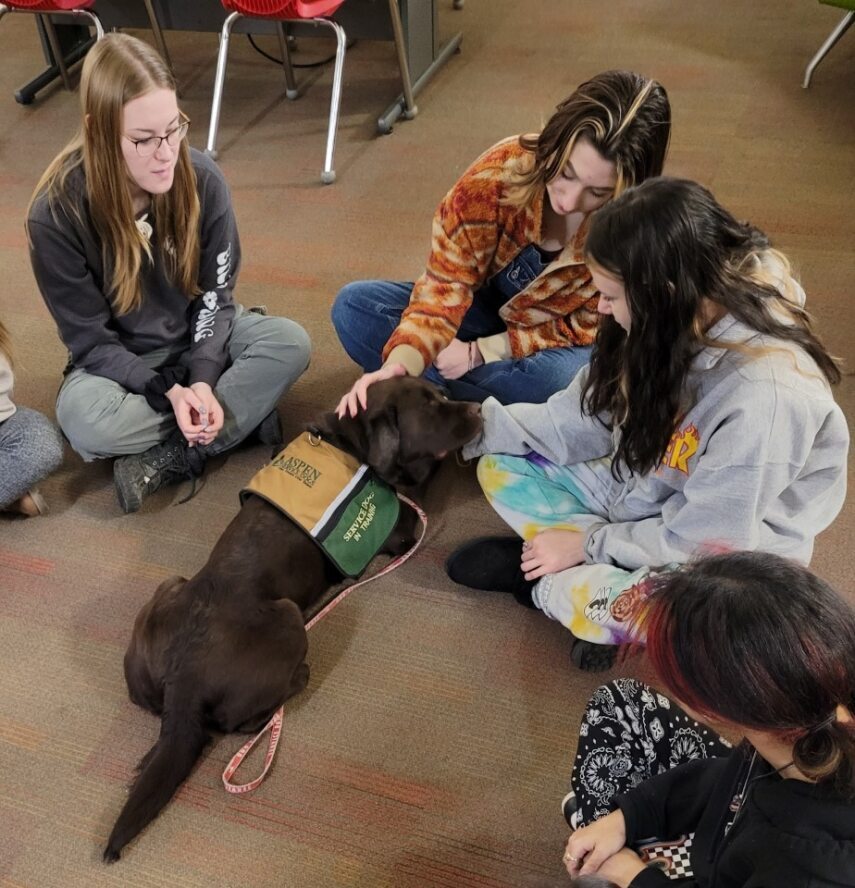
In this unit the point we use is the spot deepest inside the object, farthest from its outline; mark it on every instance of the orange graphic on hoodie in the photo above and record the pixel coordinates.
(682, 447)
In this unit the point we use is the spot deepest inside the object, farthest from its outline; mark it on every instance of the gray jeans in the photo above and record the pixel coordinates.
(30, 449)
(101, 418)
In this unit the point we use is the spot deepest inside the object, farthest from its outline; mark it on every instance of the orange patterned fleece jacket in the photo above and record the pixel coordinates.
(475, 236)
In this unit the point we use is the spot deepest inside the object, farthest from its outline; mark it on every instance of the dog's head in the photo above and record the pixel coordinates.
(406, 428)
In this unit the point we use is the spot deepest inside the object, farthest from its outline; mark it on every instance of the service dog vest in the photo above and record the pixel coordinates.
(340, 503)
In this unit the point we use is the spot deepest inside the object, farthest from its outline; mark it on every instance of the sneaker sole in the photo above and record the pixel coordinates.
(128, 502)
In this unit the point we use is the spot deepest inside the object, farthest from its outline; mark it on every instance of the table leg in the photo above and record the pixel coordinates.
(398, 107)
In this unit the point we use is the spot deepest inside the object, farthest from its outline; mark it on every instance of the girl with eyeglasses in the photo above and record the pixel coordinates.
(135, 249)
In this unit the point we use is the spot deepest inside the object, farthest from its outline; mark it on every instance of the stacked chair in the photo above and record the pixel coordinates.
(315, 12)
(44, 9)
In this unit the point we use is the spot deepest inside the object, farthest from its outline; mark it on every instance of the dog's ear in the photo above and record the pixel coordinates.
(414, 472)
(384, 442)
(169, 586)
(327, 424)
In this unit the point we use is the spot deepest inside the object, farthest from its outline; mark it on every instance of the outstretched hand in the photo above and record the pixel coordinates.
(358, 395)
(552, 551)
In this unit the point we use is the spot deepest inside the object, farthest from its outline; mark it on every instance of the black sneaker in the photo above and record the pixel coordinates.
(491, 564)
(590, 657)
(141, 474)
(269, 430)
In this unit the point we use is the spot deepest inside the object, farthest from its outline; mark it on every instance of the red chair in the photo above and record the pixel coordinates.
(43, 8)
(315, 12)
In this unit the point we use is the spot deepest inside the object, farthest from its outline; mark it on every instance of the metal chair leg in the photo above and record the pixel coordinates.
(291, 90)
(56, 50)
(410, 108)
(826, 47)
(219, 80)
(328, 174)
(158, 33)
(96, 22)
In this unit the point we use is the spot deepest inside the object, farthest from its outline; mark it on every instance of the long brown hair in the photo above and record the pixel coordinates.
(625, 116)
(673, 246)
(118, 69)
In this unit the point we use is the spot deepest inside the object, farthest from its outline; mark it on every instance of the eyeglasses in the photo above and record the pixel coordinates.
(148, 146)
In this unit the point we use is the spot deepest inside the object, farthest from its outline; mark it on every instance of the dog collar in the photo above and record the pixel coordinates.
(338, 501)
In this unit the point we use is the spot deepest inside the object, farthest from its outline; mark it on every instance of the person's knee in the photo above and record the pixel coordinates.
(348, 299)
(51, 445)
(281, 339)
(486, 467)
(296, 341)
(87, 426)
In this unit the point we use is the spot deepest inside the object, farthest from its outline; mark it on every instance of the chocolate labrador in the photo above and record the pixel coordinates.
(225, 649)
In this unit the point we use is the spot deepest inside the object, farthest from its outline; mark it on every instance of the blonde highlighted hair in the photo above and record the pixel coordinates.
(118, 69)
(5, 343)
(625, 116)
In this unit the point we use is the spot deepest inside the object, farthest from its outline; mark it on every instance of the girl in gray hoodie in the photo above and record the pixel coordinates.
(704, 422)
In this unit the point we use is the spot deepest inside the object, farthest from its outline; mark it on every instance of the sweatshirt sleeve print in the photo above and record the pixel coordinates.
(80, 309)
(213, 312)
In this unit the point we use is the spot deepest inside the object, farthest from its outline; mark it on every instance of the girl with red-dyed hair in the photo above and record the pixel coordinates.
(756, 647)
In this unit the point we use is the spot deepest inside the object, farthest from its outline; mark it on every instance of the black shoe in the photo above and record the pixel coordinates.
(493, 565)
(269, 430)
(570, 810)
(142, 474)
(590, 657)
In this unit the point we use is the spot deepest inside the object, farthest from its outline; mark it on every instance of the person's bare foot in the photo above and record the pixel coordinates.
(31, 504)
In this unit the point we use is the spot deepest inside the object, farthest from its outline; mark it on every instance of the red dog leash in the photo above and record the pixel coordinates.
(275, 723)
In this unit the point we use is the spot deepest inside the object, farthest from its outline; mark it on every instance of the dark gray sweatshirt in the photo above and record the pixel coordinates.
(67, 262)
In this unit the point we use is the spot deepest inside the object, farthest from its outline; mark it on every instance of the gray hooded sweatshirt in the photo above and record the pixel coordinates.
(758, 461)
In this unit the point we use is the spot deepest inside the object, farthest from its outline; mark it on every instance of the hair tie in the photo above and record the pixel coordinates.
(825, 723)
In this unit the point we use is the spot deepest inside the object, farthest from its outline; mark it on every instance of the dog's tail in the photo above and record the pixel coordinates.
(166, 765)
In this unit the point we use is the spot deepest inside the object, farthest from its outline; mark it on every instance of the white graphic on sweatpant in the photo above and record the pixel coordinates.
(205, 318)
(224, 264)
(597, 610)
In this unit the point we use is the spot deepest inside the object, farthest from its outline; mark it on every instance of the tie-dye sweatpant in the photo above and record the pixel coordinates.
(594, 601)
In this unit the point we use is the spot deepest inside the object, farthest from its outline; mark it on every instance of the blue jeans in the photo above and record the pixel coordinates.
(366, 313)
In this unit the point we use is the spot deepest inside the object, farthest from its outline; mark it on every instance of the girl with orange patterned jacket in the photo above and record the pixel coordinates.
(506, 306)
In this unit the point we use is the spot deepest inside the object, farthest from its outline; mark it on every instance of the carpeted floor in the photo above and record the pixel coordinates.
(436, 736)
